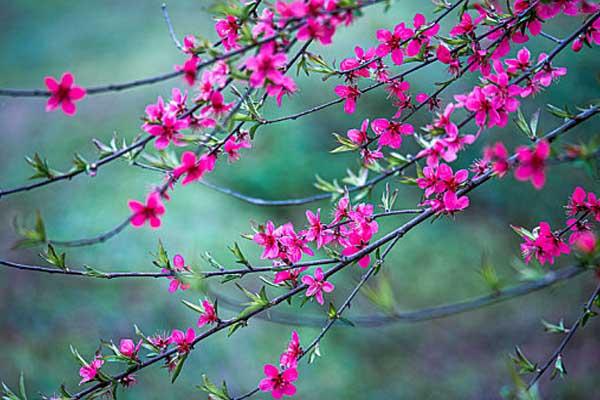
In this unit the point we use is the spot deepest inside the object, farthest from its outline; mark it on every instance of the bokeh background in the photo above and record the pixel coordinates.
(464, 356)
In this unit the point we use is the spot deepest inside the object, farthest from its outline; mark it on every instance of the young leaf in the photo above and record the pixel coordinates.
(179, 367)
(42, 170)
(525, 366)
(54, 258)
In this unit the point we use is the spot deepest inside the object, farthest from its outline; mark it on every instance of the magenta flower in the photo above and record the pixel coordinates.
(178, 266)
(421, 38)
(266, 66)
(452, 203)
(209, 316)
(317, 29)
(151, 211)
(390, 133)
(294, 245)
(465, 26)
(63, 93)
(353, 242)
(167, 131)
(279, 384)
(189, 69)
(497, 155)
(286, 86)
(268, 239)
(359, 136)
(289, 275)
(235, 143)
(227, 29)
(317, 231)
(89, 371)
(586, 242)
(391, 42)
(532, 164)
(521, 63)
(350, 94)
(194, 168)
(548, 73)
(289, 358)
(545, 246)
(129, 349)
(577, 202)
(317, 285)
(184, 341)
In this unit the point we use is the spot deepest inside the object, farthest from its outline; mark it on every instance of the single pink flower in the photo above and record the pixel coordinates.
(350, 94)
(317, 231)
(268, 239)
(129, 349)
(89, 371)
(63, 93)
(289, 358)
(532, 164)
(209, 316)
(390, 132)
(266, 65)
(184, 341)
(317, 285)
(227, 29)
(151, 211)
(167, 130)
(179, 267)
(586, 242)
(278, 383)
(189, 69)
(194, 168)
(392, 42)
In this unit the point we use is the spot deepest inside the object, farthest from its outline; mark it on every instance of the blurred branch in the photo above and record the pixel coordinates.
(567, 338)
(170, 26)
(429, 313)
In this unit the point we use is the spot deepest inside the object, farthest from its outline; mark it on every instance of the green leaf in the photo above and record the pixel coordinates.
(96, 273)
(41, 168)
(555, 328)
(194, 307)
(161, 258)
(179, 367)
(314, 353)
(559, 368)
(54, 258)
(30, 237)
(522, 362)
(489, 275)
(209, 387)
(240, 258)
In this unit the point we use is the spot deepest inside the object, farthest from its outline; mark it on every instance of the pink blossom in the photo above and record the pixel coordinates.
(63, 93)
(544, 246)
(209, 316)
(317, 230)
(235, 143)
(189, 44)
(288, 275)
(390, 133)
(151, 211)
(317, 285)
(532, 164)
(421, 38)
(357, 136)
(444, 55)
(465, 26)
(129, 349)
(278, 383)
(485, 108)
(317, 29)
(268, 239)
(519, 64)
(286, 86)
(189, 69)
(264, 25)
(179, 267)
(289, 358)
(227, 29)
(593, 204)
(548, 73)
(452, 203)
(350, 94)
(577, 202)
(194, 168)
(167, 131)
(294, 244)
(497, 155)
(184, 341)
(266, 66)
(586, 242)
(342, 210)
(391, 42)
(354, 241)
(89, 371)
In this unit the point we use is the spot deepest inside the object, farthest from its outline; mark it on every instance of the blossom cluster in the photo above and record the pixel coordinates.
(544, 244)
(351, 229)
(280, 383)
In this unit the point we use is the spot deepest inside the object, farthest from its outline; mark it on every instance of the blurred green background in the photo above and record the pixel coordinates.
(109, 41)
